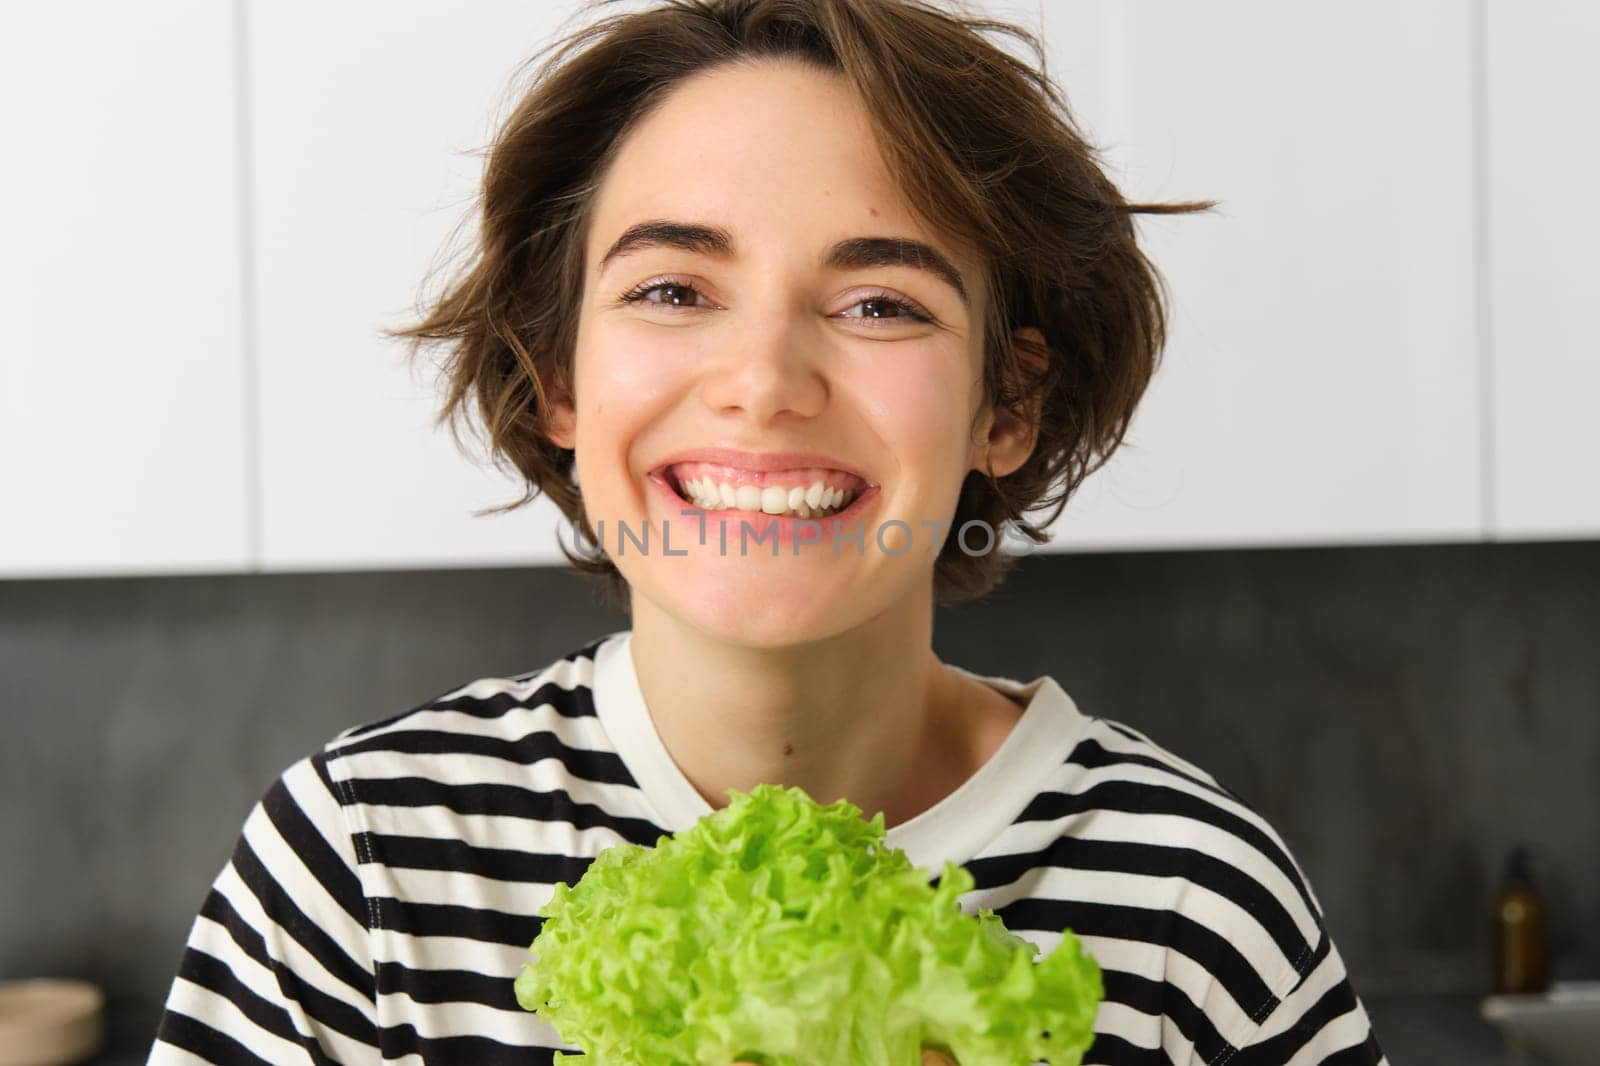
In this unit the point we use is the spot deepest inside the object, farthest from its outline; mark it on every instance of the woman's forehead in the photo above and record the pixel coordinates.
(743, 160)
(775, 147)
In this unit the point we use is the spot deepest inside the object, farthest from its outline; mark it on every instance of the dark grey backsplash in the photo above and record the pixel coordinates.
(1402, 715)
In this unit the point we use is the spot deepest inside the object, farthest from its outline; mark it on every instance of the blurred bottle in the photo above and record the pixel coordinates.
(1519, 941)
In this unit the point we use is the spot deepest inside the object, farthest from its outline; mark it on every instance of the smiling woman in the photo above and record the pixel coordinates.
(980, 194)
(839, 278)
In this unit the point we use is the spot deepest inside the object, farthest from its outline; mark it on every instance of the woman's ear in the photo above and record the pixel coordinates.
(560, 417)
(1011, 440)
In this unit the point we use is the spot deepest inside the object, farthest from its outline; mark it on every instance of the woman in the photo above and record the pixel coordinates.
(814, 299)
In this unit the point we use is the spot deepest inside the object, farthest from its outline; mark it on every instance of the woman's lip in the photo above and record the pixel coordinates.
(761, 475)
(760, 521)
(763, 462)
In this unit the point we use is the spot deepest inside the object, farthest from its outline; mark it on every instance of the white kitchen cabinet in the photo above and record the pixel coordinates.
(1321, 379)
(124, 424)
(1543, 225)
(1333, 375)
(364, 115)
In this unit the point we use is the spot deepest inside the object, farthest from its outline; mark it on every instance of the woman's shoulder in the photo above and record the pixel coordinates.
(493, 756)
(476, 707)
(1161, 854)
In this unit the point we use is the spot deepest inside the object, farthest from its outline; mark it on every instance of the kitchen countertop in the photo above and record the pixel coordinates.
(1422, 1030)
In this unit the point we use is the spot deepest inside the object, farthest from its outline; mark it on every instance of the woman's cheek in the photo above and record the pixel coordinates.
(921, 416)
(632, 366)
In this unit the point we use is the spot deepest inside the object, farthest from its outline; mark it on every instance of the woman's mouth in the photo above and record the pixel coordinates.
(784, 499)
(801, 493)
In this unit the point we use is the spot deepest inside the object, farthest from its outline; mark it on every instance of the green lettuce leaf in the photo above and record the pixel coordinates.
(787, 933)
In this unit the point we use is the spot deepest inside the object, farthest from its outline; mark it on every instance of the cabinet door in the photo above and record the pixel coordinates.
(123, 417)
(1543, 148)
(364, 117)
(1320, 384)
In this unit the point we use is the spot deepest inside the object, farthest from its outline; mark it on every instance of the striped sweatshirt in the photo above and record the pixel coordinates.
(383, 894)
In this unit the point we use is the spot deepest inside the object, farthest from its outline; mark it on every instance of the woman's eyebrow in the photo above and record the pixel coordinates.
(847, 254)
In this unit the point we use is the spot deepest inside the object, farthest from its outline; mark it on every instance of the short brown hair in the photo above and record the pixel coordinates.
(985, 151)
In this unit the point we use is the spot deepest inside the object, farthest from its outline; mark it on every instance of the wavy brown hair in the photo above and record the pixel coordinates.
(986, 153)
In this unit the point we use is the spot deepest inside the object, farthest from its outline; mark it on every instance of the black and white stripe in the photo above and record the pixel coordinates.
(382, 895)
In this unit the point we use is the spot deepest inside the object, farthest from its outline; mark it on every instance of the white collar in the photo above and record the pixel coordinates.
(956, 828)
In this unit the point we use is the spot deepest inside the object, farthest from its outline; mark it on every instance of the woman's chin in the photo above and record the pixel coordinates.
(765, 606)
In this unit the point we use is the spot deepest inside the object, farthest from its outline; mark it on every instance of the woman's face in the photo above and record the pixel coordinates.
(760, 333)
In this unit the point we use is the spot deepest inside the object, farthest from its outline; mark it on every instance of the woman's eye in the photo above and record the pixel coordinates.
(880, 306)
(887, 307)
(670, 287)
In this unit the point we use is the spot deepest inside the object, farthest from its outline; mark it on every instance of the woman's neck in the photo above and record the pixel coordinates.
(870, 715)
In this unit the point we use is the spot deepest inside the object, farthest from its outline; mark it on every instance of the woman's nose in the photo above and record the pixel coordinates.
(767, 366)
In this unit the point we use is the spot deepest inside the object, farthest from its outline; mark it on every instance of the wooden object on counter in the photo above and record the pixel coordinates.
(50, 1022)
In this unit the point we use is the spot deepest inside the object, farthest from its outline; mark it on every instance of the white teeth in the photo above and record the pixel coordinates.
(804, 501)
